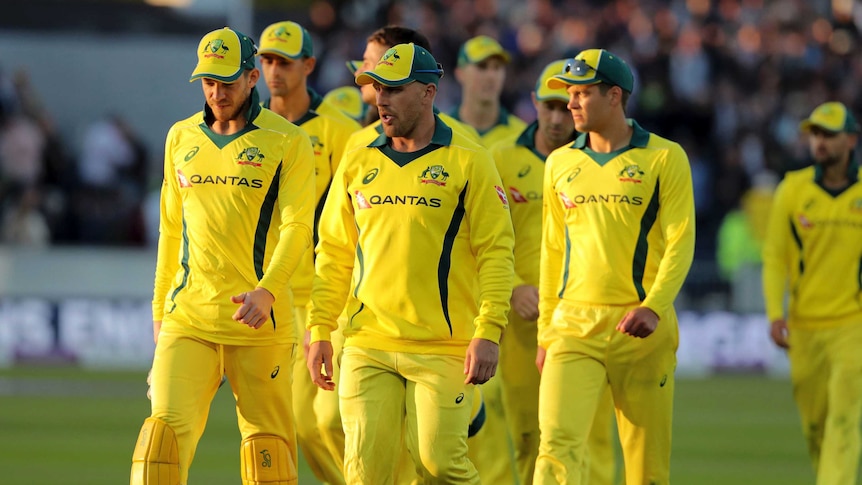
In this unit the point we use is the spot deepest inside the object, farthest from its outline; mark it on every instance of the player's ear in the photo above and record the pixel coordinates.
(309, 63)
(253, 76)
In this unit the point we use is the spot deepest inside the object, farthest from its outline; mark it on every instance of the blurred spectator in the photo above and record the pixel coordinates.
(22, 221)
(112, 176)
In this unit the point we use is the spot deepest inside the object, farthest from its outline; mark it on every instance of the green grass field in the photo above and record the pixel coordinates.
(67, 426)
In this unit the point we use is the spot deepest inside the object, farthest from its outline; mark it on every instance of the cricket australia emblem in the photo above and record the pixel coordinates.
(250, 156)
(434, 174)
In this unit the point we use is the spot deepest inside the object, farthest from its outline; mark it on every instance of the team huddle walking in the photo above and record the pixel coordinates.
(429, 298)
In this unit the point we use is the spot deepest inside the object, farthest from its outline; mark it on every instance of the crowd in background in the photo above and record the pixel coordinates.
(728, 79)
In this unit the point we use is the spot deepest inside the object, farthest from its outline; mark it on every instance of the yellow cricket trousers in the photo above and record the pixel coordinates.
(585, 354)
(186, 375)
(826, 373)
(381, 390)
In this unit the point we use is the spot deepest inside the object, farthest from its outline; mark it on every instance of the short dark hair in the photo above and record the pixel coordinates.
(604, 87)
(392, 35)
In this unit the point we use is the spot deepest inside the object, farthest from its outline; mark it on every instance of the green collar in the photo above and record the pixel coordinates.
(852, 175)
(527, 139)
(503, 119)
(442, 135)
(640, 137)
(316, 99)
(250, 115)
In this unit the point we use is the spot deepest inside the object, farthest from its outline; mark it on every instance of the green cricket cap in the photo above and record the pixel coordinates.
(286, 39)
(594, 66)
(403, 64)
(545, 93)
(833, 117)
(480, 48)
(223, 55)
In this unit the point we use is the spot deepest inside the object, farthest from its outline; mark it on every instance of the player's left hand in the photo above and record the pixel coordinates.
(480, 365)
(640, 322)
(254, 307)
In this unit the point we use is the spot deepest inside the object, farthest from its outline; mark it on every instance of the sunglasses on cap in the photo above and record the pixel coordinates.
(438, 71)
(578, 67)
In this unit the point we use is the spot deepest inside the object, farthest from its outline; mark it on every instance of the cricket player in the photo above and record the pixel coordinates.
(287, 59)
(236, 216)
(813, 254)
(617, 244)
(521, 163)
(481, 72)
(416, 237)
(377, 44)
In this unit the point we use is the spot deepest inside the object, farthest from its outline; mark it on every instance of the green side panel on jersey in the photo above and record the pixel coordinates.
(184, 263)
(445, 263)
(642, 248)
(263, 224)
(361, 259)
(566, 264)
(798, 241)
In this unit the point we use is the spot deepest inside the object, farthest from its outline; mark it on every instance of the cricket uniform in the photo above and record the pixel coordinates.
(493, 448)
(813, 248)
(508, 125)
(521, 168)
(419, 245)
(319, 430)
(236, 214)
(618, 233)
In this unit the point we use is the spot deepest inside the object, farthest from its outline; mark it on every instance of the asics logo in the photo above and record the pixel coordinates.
(275, 372)
(459, 398)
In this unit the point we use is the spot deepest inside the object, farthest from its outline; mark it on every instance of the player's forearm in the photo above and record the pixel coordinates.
(294, 241)
(167, 265)
(328, 293)
(673, 269)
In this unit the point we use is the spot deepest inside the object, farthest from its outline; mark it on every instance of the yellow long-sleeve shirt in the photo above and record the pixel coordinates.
(618, 228)
(418, 244)
(328, 129)
(236, 214)
(814, 248)
(522, 168)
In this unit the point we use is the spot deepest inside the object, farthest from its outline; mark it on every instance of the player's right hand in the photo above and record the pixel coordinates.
(778, 332)
(320, 364)
(149, 384)
(540, 358)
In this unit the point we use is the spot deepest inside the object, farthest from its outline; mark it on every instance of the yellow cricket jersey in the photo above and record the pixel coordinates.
(508, 125)
(522, 168)
(618, 228)
(236, 214)
(418, 244)
(328, 130)
(814, 244)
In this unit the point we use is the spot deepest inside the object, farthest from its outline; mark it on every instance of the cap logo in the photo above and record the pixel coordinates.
(278, 33)
(390, 54)
(213, 47)
(578, 67)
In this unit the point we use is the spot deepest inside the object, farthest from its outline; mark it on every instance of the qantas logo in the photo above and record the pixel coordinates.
(599, 198)
(184, 182)
(233, 180)
(517, 197)
(502, 195)
(417, 200)
(361, 201)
